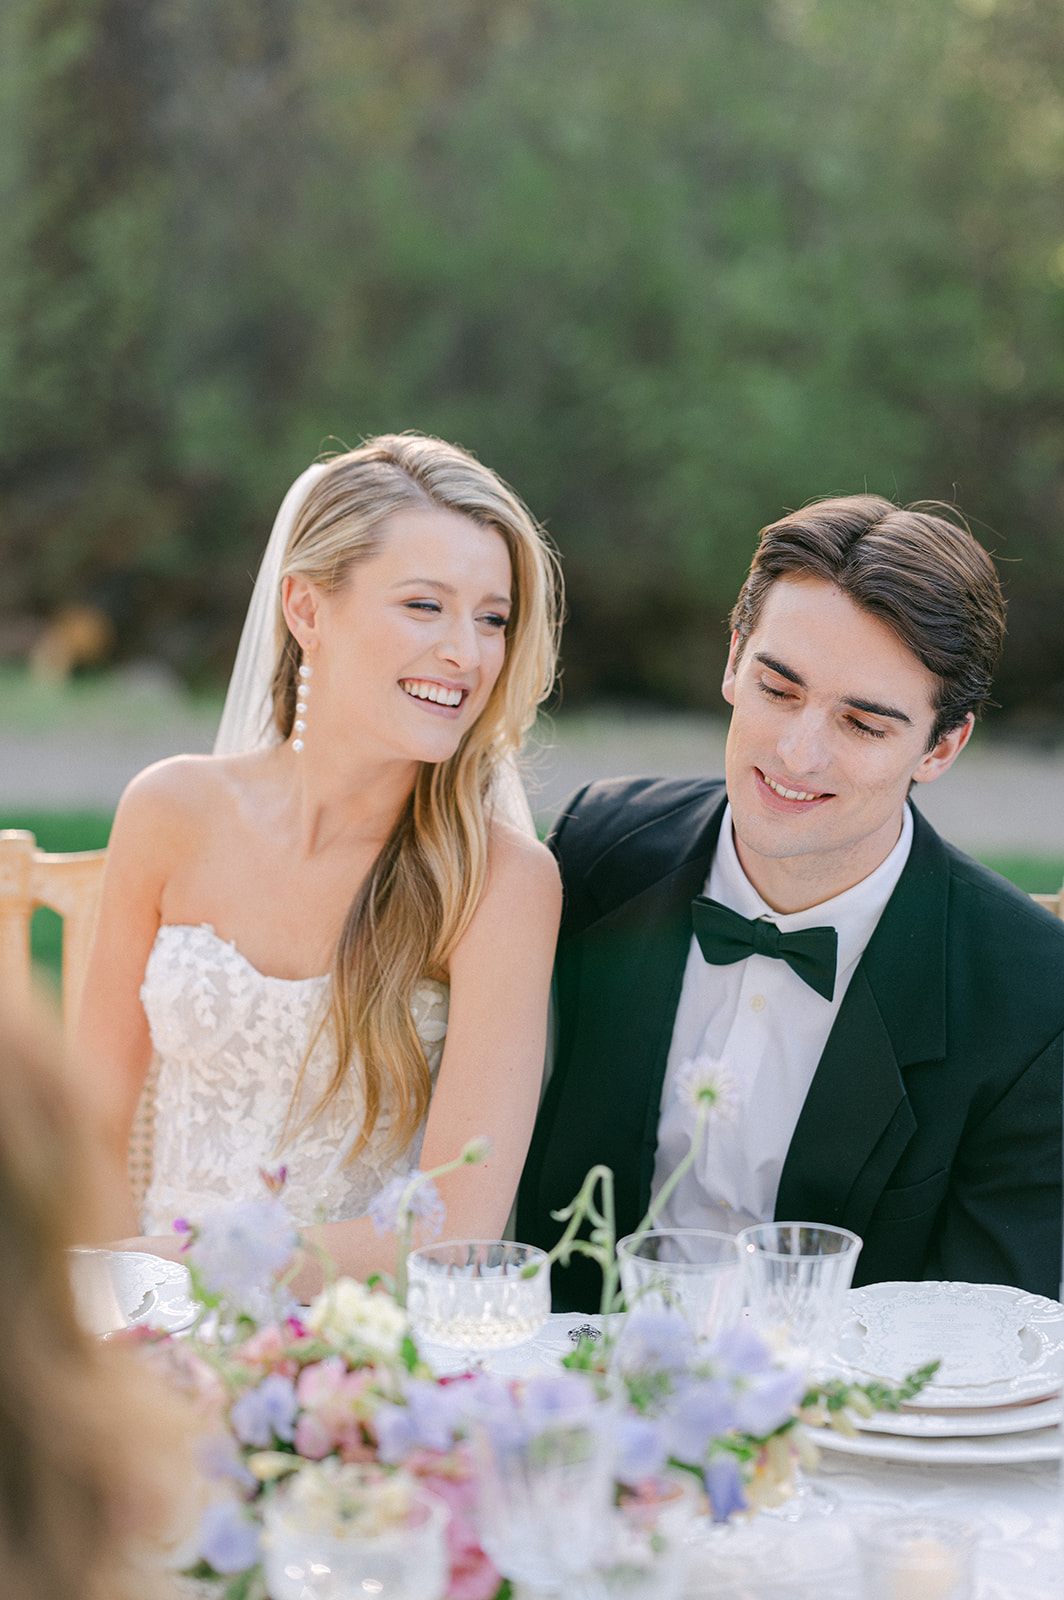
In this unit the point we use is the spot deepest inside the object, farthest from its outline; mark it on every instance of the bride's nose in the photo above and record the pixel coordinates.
(460, 644)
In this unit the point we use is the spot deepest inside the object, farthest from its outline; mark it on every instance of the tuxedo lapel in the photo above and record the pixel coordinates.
(893, 1015)
(627, 987)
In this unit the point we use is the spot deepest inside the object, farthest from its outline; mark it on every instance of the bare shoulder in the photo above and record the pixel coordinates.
(176, 799)
(521, 870)
(167, 791)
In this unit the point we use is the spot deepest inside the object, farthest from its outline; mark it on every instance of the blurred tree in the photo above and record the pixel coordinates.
(669, 267)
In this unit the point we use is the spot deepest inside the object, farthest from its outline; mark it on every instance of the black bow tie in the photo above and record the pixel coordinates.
(724, 936)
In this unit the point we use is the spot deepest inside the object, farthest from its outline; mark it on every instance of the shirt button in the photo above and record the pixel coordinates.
(757, 1002)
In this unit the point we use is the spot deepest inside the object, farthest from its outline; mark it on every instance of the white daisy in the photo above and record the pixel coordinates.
(704, 1081)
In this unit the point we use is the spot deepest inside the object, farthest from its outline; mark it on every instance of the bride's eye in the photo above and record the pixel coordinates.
(423, 605)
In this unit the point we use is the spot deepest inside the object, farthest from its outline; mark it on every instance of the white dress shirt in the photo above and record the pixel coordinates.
(767, 1028)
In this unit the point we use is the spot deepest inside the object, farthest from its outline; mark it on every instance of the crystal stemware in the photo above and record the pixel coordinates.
(477, 1295)
(693, 1270)
(545, 1453)
(795, 1277)
(408, 1560)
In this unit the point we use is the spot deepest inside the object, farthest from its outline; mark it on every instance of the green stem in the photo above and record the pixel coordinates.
(680, 1170)
(405, 1229)
(601, 1245)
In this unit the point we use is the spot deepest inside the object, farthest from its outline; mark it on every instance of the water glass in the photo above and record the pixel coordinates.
(650, 1544)
(408, 1562)
(545, 1454)
(477, 1295)
(693, 1270)
(918, 1558)
(795, 1276)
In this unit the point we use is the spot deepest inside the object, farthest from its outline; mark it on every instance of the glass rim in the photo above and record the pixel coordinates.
(744, 1239)
(428, 1511)
(533, 1253)
(677, 1233)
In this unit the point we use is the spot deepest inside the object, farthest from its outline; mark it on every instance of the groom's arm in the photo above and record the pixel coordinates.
(1001, 1221)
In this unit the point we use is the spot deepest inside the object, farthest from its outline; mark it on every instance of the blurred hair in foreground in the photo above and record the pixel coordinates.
(95, 1455)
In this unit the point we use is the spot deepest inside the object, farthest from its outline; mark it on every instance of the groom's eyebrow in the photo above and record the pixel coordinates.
(449, 588)
(873, 707)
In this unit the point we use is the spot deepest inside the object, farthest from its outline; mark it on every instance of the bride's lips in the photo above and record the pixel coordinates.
(441, 699)
(786, 796)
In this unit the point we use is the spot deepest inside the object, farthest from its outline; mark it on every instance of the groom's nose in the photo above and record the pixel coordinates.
(803, 742)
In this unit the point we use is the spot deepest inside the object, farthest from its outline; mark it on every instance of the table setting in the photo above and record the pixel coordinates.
(736, 1423)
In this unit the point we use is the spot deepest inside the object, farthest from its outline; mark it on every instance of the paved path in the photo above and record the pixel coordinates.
(999, 798)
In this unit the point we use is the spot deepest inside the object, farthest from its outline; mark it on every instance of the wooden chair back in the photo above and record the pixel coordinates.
(70, 885)
(67, 884)
(1052, 902)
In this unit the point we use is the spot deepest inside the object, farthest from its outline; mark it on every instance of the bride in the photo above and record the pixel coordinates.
(337, 931)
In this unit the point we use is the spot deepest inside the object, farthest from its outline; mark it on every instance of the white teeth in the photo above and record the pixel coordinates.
(790, 794)
(431, 691)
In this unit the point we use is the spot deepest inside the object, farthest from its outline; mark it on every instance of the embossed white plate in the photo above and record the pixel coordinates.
(1039, 1444)
(125, 1288)
(958, 1423)
(997, 1345)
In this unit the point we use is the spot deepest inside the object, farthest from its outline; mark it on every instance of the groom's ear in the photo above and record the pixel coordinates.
(727, 688)
(301, 604)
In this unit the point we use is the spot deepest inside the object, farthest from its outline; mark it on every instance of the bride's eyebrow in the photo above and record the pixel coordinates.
(449, 589)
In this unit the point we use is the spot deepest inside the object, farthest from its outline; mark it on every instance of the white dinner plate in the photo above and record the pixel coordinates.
(997, 1345)
(955, 1424)
(116, 1289)
(1039, 1444)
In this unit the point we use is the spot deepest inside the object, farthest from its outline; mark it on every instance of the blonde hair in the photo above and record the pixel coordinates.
(424, 887)
(93, 1451)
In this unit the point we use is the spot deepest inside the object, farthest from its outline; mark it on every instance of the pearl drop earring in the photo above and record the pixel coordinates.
(299, 727)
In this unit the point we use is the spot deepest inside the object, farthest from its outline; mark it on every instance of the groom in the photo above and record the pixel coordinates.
(883, 1018)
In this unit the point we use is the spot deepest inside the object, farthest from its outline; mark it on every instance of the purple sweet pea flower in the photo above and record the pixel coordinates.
(265, 1412)
(240, 1247)
(429, 1420)
(741, 1350)
(700, 1409)
(228, 1537)
(425, 1206)
(558, 1397)
(641, 1452)
(724, 1485)
(218, 1458)
(765, 1404)
(659, 1341)
(513, 1416)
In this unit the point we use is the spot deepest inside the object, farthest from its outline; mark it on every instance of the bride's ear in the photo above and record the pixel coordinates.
(301, 604)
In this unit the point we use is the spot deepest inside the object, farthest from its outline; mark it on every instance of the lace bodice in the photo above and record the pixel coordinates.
(230, 1042)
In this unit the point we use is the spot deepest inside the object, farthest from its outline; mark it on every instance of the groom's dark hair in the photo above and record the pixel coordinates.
(925, 577)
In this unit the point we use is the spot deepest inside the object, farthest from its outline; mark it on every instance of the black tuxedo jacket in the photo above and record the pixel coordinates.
(932, 1126)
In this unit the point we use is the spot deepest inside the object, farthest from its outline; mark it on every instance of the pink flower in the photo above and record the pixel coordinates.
(474, 1575)
(267, 1350)
(334, 1404)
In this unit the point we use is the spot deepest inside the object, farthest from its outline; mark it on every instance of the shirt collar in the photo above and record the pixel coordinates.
(854, 913)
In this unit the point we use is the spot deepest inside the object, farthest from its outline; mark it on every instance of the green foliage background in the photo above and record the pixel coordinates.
(669, 265)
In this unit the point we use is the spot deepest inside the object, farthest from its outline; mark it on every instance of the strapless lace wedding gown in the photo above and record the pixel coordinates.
(230, 1043)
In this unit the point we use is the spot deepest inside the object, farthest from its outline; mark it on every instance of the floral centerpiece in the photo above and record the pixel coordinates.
(338, 1395)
